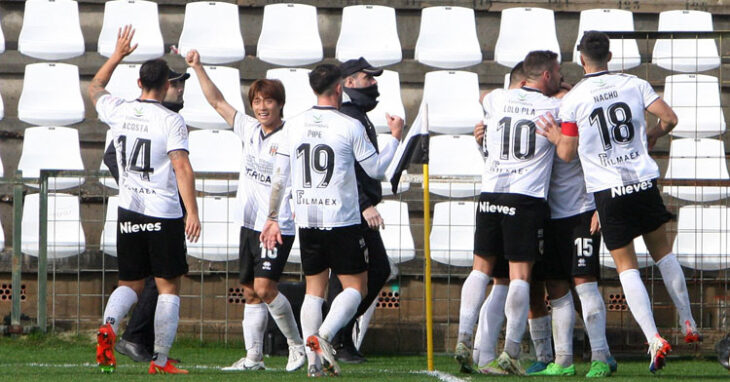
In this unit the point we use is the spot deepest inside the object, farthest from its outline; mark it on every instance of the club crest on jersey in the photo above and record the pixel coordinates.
(138, 112)
(273, 149)
(317, 118)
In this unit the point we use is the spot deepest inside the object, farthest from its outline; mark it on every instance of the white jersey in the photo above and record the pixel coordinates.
(323, 145)
(567, 196)
(144, 132)
(609, 112)
(257, 170)
(518, 161)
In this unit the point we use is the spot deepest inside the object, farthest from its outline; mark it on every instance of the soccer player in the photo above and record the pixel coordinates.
(152, 157)
(603, 122)
(318, 153)
(260, 268)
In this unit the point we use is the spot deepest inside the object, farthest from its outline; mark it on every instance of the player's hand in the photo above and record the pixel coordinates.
(271, 235)
(595, 224)
(193, 58)
(372, 216)
(479, 132)
(192, 227)
(548, 128)
(653, 135)
(124, 45)
(395, 124)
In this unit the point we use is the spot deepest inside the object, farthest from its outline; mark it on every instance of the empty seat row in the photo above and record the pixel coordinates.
(290, 34)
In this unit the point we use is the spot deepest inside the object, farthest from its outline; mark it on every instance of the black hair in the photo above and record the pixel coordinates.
(323, 77)
(538, 62)
(594, 46)
(517, 74)
(154, 74)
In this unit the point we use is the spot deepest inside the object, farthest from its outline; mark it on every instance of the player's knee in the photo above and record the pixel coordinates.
(266, 291)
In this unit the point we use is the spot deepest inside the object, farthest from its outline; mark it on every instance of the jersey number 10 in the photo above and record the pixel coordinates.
(514, 136)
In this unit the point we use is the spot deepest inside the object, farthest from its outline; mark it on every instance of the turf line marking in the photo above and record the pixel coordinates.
(444, 377)
(89, 364)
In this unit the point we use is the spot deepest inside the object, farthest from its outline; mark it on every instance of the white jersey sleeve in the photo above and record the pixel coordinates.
(242, 124)
(177, 133)
(568, 196)
(107, 106)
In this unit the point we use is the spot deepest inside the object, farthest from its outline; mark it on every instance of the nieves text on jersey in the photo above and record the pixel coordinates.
(128, 227)
(631, 188)
(486, 207)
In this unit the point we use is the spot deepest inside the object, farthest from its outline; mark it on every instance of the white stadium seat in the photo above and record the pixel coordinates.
(703, 240)
(390, 101)
(143, 16)
(403, 185)
(299, 95)
(295, 255)
(452, 235)
(697, 159)
(397, 235)
(51, 95)
(2, 41)
(65, 234)
(642, 255)
(369, 31)
(696, 100)
(196, 111)
(219, 235)
(52, 148)
(452, 98)
(123, 83)
(289, 35)
(625, 52)
(51, 30)
(458, 156)
(213, 29)
(522, 30)
(215, 151)
(685, 54)
(2, 108)
(107, 180)
(108, 239)
(506, 80)
(449, 48)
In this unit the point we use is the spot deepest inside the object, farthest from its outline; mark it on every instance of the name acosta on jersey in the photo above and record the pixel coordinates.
(631, 188)
(486, 207)
(128, 227)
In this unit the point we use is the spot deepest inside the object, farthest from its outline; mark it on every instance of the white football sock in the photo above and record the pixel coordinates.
(281, 311)
(120, 301)
(472, 298)
(343, 308)
(516, 308)
(311, 319)
(677, 287)
(541, 335)
(167, 315)
(491, 318)
(255, 318)
(594, 319)
(638, 300)
(563, 324)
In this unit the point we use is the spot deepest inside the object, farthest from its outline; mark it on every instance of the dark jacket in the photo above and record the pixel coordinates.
(369, 189)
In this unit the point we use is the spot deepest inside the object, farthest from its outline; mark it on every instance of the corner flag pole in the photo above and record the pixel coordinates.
(427, 272)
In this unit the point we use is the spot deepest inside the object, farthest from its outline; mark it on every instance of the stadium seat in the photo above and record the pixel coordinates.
(522, 30)
(455, 156)
(51, 95)
(123, 83)
(295, 255)
(389, 101)
(403, 185)
(65, 235)
(215, 151)
(397, 235)
(145, 20)
(108, 239)
(213, 29)
(452, 235)
(219, 235)
(703, 240)
(697, 159)
(299, 95)
(107, 180)
(642, 255)
(197, 111)
(685, 55)
(369, 31)
(625, 52)
(453, 101)
(449, 48)
(51, 30)
(506, 80)
(290, 35)
(2, 41)
(53, 148)
(695, 99)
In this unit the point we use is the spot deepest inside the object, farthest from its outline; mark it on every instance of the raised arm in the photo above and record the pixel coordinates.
(186, 185)
(667, 121)
(211, 92)
(122, 49)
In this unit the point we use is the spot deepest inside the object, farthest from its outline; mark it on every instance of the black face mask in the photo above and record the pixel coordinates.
(365, 98)
(173, 106)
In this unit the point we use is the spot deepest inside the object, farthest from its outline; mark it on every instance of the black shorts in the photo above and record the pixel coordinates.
(341, 249)
(570, 249)
(630, 211)
(254, 261)
(510, 226)
(150, 246)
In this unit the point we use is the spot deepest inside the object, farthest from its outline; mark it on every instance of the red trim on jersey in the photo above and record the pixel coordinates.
(570, 129)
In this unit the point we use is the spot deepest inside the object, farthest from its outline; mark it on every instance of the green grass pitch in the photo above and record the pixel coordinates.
(50, 358)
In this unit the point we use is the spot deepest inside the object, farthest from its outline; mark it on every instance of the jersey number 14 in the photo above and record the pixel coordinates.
(139, 160)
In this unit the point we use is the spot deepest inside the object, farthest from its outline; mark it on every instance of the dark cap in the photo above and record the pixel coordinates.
(353, 66)
(175, 76)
